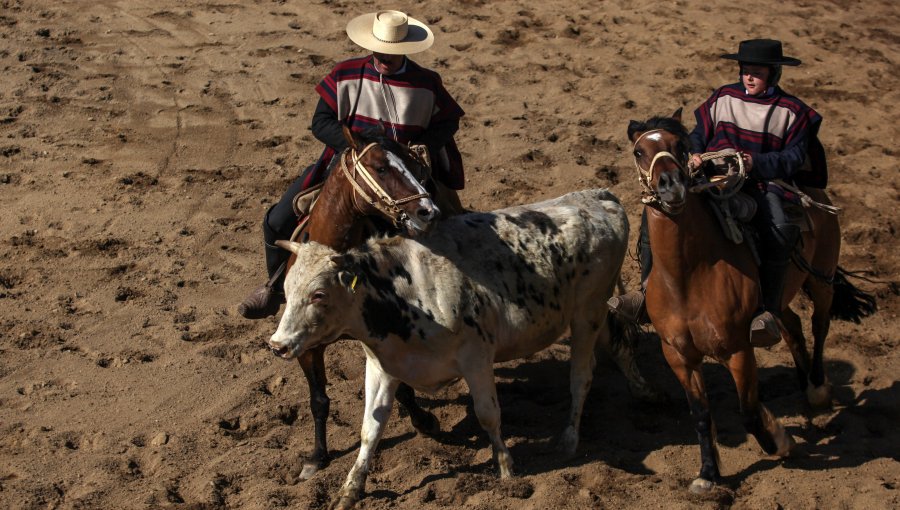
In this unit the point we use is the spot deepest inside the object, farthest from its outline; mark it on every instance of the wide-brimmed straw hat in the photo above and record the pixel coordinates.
(390, 32)
(763, 52)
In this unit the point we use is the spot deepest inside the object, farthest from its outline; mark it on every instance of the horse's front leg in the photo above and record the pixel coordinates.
(313, 364)
(690, 376)
(422, 420)
(758, 420)
(380, 389)
(796, 342)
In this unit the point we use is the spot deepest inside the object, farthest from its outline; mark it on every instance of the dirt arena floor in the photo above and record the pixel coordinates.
(141, 142)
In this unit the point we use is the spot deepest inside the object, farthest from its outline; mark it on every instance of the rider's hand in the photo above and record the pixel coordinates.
(695, 161)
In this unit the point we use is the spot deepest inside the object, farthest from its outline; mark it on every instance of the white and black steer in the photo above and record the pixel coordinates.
(482, 288)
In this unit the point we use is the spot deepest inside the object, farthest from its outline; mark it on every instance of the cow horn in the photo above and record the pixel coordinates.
(288, 245)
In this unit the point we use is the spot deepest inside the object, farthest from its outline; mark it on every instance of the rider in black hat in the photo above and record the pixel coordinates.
(777, 133)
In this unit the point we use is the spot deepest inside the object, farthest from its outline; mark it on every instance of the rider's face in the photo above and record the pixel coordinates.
(755, 78)
(388, 64)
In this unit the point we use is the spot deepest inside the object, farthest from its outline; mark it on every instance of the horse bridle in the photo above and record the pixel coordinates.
(732, 182)
(382, 200)
(650, 196)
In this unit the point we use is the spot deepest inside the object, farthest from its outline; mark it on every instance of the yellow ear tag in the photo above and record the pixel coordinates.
(353, 283)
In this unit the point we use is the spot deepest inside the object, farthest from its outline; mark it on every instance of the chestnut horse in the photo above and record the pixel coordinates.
(703, 291)
(354, 202)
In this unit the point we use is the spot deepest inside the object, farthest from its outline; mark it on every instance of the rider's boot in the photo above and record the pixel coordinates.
(765, 328)
(266, 299)
(631, 306)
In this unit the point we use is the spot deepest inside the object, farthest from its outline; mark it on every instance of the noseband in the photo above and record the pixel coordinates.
(381, 201)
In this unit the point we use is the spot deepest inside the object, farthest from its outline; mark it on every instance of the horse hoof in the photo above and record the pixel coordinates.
(701, 486)
(786, 445)
(310, 468)
(819, 397)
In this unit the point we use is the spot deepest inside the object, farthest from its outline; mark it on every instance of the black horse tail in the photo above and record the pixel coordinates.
(850, 303)
(623, 334)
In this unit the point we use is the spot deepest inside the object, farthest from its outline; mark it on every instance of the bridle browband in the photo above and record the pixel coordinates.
(386, 204)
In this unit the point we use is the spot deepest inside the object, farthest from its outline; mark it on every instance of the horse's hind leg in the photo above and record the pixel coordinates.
(796, 342)
(313, 364)
(691, 378)
(818, 391)
(758, 420)
(422, 420)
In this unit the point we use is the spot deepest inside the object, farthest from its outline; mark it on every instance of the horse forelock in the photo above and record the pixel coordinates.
(670, 125)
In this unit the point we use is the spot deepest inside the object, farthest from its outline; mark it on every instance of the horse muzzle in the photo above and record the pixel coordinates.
(672, 193)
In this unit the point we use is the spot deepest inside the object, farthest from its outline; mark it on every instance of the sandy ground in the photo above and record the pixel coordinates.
(141, 142)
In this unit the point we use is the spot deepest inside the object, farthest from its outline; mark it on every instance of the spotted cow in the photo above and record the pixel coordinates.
(481, 288)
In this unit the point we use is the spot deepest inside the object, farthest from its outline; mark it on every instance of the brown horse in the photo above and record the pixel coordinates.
(355, 200)
(703, 291)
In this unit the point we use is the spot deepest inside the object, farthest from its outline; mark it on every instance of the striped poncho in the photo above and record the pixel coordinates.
(405, 103)
(776, 128)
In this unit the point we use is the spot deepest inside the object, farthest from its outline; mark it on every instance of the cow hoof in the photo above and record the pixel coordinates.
(701, 486)
(819, 397)
(425, 423)
(344, 503)
(568, 442)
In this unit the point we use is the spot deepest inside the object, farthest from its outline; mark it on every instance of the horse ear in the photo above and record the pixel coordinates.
(677, 115)
(351, 137)
(635, 129)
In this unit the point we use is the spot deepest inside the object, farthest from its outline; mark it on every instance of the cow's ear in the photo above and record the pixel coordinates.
(677, 115)
(349, 280)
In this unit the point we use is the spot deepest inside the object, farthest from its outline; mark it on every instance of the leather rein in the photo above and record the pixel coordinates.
(382, 201)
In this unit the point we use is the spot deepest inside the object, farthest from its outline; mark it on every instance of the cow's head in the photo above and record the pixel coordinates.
(320, 291)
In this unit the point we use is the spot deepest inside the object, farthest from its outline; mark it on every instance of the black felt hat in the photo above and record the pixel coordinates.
(762, 51)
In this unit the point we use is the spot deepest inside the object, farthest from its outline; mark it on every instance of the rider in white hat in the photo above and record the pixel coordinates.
(384, 88)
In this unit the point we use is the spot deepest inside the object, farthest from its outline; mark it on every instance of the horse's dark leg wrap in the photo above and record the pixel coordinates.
(422, 420)
(709, 465)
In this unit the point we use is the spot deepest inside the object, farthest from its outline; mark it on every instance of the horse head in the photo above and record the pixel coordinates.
(388, 180)
(661, 155)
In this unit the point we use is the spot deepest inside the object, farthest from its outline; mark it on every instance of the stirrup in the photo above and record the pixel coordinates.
(765, 330)
(630, 307)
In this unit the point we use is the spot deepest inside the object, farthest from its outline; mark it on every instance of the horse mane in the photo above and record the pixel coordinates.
(379, 136)
(669, 124)
(367, 136)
